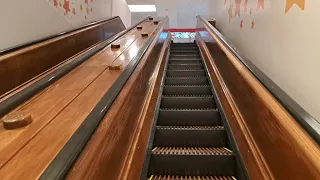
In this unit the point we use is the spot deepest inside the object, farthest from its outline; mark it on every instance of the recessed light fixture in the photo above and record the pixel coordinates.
(142, 8)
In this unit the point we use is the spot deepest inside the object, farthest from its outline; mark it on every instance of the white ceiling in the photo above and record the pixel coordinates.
(182, 13)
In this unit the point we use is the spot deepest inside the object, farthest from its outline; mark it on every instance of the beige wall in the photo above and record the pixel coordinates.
(24, 21)
(120, 8)
(137, 16)
(283, 42)
(182, 13)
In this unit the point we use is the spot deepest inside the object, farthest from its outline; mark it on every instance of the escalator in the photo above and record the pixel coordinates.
(189, 139)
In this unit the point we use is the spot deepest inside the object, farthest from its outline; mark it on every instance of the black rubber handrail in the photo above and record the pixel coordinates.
(63, 162)
(20, 97)
(311, 125)
(14, 48)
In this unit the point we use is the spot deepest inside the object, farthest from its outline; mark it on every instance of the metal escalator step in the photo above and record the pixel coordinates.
(184, 48)
(192, 80)
(192, 161)
(186, 72)
(184, 44)
(184, 51)
(192, 136)
(171, 177)
(186, 56)
(192, 151)
(195, 102)
(185, 66)
(185, 62)
(187, 90)
(188, 117)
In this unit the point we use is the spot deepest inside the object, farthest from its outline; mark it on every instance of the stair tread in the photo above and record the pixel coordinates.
(187, 64)
(188, 117)
(188, 109)
(195, 62)
(169, 177)
(186, 77)
(183, 59)
(186, 85)
(191, 127)
(192, 151)
(185, 101)
(185, 70)
(187, 96)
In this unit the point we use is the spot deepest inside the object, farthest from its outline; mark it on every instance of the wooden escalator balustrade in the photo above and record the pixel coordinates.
(116, 150)
(59, 110)
(25, 62)
(271, 142)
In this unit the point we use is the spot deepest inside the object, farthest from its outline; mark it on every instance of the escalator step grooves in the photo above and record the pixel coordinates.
(184, 51)
(187, 90)
(185, 62)
(187, 85)
(185, 66)
(182, 101)
(187, 77)
(172, 59)
(192, 151)
(188, 96)
(190, 141)
(192, 127)
(188, 117)
(186, 72)
(190, 136)
(185, 55)
(172, 177)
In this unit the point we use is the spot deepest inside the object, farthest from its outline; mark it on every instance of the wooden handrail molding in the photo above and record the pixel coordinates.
(273, 145)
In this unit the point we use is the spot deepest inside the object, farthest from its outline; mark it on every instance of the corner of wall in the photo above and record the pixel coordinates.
(120, 8)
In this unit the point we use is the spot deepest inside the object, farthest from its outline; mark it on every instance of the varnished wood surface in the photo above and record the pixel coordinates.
(110, 154)
(22, 65)
(60, 109)
(137, 150)
(271, 142)
(249, 157)
(16, 90)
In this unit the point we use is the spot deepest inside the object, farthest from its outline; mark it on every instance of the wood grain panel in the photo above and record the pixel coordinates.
(105, 53)
(49, 141)
(52, 100)
(109, 148)
(274, 142)
(24, 64)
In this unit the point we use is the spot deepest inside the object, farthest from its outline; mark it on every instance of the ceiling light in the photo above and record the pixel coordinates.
(142, 8)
